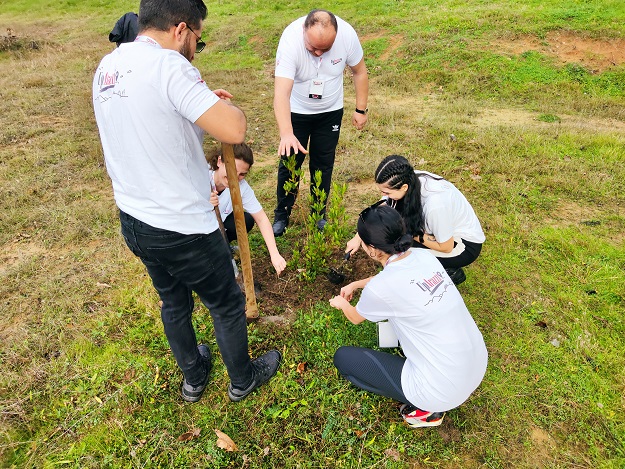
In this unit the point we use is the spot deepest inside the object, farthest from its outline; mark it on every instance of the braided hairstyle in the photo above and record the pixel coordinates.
(395, 171)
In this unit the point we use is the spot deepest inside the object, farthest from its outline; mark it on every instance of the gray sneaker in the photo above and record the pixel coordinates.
(194, 393)
(265, 367)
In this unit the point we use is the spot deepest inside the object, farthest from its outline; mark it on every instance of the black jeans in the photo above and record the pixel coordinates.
(371, 370)
(323, 131)
(179, 264)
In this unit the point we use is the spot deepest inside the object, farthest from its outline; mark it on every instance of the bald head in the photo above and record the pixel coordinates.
(320, 28)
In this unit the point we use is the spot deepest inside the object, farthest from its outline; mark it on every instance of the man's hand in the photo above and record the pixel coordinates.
(223, 94)
(359, 120)
(288, 142)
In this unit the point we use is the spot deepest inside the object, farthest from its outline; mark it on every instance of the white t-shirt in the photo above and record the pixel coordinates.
(146, 100)
(445, 353)
(250, 203)
(293, 61)
(447, 212)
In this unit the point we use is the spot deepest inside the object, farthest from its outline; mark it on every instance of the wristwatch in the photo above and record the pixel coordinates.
(360, 111)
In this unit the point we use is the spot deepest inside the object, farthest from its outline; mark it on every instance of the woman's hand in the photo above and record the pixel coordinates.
(214, 199)
(339, 302)
(278, 263)
(348, 290)
(353, 245)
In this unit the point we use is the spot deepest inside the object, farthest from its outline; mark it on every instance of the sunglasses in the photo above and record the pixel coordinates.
(199, 44)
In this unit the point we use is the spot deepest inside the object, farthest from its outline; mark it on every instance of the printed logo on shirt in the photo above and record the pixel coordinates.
(336, 61)
(432, 286)
(335, 128)
(107, 80)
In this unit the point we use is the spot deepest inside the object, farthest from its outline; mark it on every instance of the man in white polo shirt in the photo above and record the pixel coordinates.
(152, 109)
(308, 99)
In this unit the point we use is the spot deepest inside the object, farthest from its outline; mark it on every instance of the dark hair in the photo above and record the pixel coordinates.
(316, 17)
(395, 171)
(163, 14)
(382, 227)
(241, 152)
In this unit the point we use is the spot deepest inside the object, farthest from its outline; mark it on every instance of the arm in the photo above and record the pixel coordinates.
(429, 241)
(282, 111)
(224, 121)
(264, 225)
(361, 86)
(353, 244)
(348, 290)
(349, 311)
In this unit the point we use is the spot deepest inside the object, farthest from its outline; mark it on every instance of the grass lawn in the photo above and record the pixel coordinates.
(520, 104)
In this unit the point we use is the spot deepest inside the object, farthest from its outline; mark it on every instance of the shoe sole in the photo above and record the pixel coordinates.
(434, 423)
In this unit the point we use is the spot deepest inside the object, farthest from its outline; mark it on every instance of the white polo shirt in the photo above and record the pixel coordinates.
(445, 353)
(146, 100)
(294, 62)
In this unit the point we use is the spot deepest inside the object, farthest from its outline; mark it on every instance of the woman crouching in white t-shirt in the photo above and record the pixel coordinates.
(244, 159)
(436, 213)
(445, 353)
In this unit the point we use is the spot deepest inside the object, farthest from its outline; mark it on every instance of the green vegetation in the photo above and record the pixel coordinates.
(483, 93)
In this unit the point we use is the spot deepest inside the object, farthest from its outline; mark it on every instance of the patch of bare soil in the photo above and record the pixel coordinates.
(279, 298)
(596, 55)
(518, 117)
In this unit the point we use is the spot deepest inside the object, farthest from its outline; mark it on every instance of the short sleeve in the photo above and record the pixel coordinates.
(185, 88)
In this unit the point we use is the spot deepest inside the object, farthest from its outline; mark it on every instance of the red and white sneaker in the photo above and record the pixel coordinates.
(417, 418)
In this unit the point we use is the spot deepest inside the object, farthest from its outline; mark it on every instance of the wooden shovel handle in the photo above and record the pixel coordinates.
(227, 156)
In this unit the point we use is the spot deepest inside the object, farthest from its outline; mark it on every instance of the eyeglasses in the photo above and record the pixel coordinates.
(199, 44)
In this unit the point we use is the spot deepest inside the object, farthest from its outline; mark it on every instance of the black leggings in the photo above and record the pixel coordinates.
(230, 227)
(373, 371)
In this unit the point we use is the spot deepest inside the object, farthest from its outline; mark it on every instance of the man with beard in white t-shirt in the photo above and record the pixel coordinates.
(152, 109)
(308, 99)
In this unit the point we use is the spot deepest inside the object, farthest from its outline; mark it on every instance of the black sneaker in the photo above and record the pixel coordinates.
(279, 227)
(321, 224)
(457, 275)
(265, 367)
(194, 393)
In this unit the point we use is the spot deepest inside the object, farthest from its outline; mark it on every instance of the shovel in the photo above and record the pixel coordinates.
(336, 275)
(223, 232)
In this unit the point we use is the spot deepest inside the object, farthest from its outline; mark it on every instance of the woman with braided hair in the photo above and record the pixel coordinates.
(436, 213)
(445, 356)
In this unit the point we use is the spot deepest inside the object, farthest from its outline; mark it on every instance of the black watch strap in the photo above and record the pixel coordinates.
(360, 111)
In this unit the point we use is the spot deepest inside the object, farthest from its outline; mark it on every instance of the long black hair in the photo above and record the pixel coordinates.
(395, 171)
(382, 227)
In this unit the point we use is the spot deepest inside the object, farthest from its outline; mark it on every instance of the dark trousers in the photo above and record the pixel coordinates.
(371, 370)
(230, 226)
(470, 253)
(179, 264)
(320, 132)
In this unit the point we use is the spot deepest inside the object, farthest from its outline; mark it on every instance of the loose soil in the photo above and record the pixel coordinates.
(279, 298)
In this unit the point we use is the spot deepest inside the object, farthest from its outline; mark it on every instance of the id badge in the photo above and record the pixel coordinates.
(316, 89)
